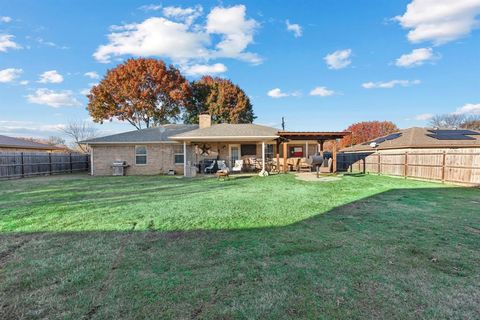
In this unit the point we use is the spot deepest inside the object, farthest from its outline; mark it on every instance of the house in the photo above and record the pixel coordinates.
(446, 155)
(11, 144)
(180, 147)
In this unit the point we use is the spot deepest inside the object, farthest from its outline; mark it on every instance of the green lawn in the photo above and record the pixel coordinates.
(75, 247)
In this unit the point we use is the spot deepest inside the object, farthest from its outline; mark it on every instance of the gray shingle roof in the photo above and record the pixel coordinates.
(156, 134)
(225, 130)
(416, 138)
(11, 142)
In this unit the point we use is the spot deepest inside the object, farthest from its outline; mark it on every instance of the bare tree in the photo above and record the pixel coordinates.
(79, 131)
(472, 122)
(55, 141)
(448, 121)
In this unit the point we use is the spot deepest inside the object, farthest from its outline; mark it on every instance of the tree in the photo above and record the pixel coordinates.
(222, 99)
(368, 130)
(142, 91)
(447, 121)
(472, 123)
(79, 131)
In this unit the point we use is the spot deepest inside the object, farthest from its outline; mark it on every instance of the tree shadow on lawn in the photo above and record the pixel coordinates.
(404, 253)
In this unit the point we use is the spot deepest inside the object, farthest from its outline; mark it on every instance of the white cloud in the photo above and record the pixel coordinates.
(9, 75)
(423, 116)
(415, 58)
(469, 108)
(277, 93)
(322, 92)
(91, 75)
(6, 43)
(187, 15)
(151, 7)
(5, 19)
(28, 128)
(51, 76)
(237, 32)
(339, 59)
(182, 42)
(295, 28)
(24, 82)
(390, 84)
(53, 99)
(205, 69)
(439, 21)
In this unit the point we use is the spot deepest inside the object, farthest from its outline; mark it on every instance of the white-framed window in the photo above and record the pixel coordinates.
(269, 151)
(140, 155)
(178, 154)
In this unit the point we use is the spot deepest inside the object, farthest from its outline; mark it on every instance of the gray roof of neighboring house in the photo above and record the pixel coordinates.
(229, 131)
(11, 142)
(155, 134)
(418, 138)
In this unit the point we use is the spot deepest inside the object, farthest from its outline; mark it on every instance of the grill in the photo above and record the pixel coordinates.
(118, 168)
(316, 161)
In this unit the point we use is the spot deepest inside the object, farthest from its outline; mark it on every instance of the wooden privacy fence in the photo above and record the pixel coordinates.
(23, 164)
(449, 166)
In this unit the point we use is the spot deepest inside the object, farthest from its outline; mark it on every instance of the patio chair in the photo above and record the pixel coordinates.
(326, 166)
(212, 168)
(305, 165)
(222, 165)
(238, 166)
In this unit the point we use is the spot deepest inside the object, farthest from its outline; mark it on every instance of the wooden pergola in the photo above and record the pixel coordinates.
(317, 137)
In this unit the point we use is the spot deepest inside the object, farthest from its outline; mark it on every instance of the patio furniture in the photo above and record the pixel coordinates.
(305, 165)
(212, 168)
(222, 165)
(238, 166)
(326, 166)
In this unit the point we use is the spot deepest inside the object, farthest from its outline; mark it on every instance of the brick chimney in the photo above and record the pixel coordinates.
(204, 120)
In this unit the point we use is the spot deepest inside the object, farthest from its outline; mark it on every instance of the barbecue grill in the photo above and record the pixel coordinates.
(118, 167)
(316, 161)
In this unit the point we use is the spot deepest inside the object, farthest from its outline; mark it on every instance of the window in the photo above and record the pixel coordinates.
(178, 154)
(248, 149)
(295, 152)
(140, 155)
(269, 151)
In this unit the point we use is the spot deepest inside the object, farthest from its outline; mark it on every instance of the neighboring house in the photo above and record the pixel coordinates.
(433, 154)
(11, 144)
(420, 140)
(179, 147)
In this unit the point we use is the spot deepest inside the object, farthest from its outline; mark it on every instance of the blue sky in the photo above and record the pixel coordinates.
(321, 64)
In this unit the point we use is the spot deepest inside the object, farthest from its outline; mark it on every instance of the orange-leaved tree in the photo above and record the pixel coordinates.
(367, 130)
(144, 92)
(223, 100)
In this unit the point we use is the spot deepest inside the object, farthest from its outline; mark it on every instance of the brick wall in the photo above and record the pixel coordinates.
(160, 159)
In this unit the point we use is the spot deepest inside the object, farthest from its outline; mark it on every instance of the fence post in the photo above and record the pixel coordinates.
(405, 167)
(71, 164)
(22, 161)
(443, 165)
(50, 162)
(379, 167)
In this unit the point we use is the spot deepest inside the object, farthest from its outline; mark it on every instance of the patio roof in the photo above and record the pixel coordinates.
(311, 135)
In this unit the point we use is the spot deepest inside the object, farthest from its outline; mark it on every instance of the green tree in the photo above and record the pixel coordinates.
(222, 99)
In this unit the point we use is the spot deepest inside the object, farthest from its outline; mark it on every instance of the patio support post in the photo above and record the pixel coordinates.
(334, 156)
(285, 165)
(278, 156)
(263, 156)
(184, 158)
(306, 149)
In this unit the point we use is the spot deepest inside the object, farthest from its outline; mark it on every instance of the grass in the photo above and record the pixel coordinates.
(273, 248)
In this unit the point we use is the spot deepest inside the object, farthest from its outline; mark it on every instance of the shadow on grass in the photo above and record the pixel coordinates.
(403, 253)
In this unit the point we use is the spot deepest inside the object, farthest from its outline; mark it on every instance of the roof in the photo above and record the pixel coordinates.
(11, 142)
(419, 138)
(153, 135)
(229, 132)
